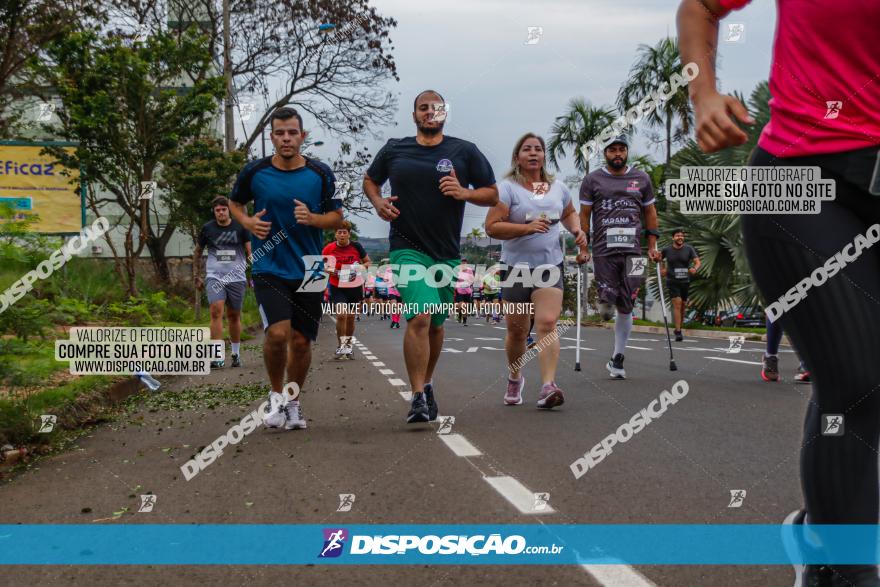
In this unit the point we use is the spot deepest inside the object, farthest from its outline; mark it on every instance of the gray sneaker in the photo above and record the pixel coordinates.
(418, 410)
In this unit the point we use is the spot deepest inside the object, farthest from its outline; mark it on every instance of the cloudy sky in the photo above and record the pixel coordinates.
(498, 87)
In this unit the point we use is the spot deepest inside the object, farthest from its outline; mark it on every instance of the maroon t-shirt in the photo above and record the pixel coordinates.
(617, 202)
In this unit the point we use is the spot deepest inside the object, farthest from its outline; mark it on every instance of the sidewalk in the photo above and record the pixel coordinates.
(694, 333)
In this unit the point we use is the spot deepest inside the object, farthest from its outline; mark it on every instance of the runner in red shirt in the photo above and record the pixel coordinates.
(345, 261)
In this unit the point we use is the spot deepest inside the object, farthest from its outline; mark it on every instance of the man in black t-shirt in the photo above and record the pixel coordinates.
(677, 270)
(429, 174)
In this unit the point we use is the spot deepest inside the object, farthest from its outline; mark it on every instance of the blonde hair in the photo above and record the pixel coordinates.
(514, 173)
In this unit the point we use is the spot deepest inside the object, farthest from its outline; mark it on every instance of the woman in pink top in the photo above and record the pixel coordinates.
(825, 112)
(464, 291)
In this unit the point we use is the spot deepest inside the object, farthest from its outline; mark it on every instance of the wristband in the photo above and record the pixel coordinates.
(652, 232)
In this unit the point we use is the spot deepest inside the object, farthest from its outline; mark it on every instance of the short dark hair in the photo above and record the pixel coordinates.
(219, 201)
(675, 231)
(420, 94)
(285, 113)
(346, 225)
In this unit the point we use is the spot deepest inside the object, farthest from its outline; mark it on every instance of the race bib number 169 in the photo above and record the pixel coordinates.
(620, 237)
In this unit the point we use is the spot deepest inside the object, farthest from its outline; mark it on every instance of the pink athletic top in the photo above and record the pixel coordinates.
(825, 77)
(464, 285)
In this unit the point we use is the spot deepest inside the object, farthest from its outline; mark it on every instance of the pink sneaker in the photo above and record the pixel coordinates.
(550, 396)
(513, 397)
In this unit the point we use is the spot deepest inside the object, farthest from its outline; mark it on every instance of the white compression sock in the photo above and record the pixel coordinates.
(235, 347)
(623, 326)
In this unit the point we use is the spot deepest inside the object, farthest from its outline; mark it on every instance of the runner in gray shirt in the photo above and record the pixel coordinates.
(228, 246)
(531, 207)
(616, 196)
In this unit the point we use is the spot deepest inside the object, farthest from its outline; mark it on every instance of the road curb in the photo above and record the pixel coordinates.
(720, 334)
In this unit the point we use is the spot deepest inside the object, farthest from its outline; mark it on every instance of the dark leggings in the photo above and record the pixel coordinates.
(774, 336)
(836, 330)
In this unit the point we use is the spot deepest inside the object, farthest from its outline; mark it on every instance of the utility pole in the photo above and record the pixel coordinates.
(227, 74)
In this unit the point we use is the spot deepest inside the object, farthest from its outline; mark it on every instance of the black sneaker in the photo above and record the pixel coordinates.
(217, 364)
(236, 361)
(678, 336)
(429, 400)
(823, 575)
(418, 411)
(615, 367)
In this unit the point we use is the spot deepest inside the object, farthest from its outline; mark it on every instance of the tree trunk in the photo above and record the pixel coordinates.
(227, 74)
(160, 261)
(130, 265)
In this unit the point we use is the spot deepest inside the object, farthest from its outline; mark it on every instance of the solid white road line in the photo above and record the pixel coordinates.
(487, 338)
(733, 361)
(618, 576)
(517, 494)
(639, 348)
(460, 445)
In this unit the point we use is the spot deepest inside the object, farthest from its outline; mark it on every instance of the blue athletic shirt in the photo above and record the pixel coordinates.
(274, 190)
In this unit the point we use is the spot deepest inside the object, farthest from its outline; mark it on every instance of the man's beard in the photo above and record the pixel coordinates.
(292, 155)
(430, 130)
(613, 162)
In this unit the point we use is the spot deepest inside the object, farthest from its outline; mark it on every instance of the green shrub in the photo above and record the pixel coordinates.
(27, 317)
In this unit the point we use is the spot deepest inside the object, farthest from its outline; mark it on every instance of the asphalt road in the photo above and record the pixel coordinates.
(732, 431)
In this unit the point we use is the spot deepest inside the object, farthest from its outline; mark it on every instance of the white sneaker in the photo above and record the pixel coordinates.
(295, 419)
(340, 352)
(347, 351)
(274, 417)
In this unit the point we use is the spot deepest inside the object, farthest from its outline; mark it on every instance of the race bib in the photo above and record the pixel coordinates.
(681, 272)
(620, 237)
(225, 255)
(350, 272)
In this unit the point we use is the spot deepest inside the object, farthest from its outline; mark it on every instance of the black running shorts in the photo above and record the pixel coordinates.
(678, 289)
(346, 295)
(278, 300)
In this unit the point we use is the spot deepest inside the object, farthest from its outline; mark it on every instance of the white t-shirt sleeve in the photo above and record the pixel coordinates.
(566, 194)
(505, 193)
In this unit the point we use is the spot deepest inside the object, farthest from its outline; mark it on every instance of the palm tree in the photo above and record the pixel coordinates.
(475, 235)
(582, 123)
(725, 278)
(653, 68)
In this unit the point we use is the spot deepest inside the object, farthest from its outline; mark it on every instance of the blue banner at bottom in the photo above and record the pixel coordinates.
(261, 544)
